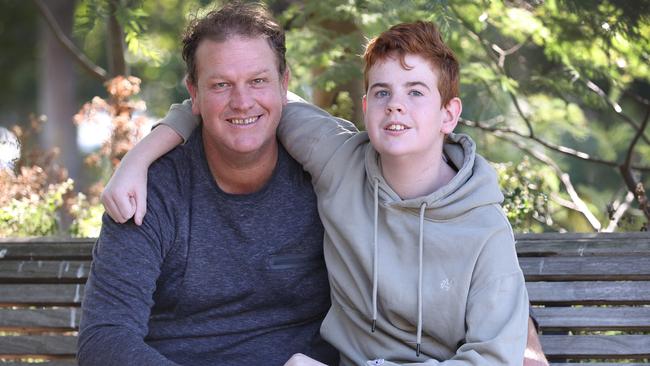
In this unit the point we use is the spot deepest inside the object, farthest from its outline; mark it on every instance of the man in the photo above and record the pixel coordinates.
(227, 267)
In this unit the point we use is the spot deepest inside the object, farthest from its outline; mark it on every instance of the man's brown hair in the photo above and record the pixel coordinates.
(422, 39)
(235, 19)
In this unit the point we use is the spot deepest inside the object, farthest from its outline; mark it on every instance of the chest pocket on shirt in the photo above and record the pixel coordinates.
(280, 262)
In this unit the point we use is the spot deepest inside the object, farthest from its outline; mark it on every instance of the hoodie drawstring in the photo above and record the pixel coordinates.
(418, 340)
(374, 261)
(375, 269)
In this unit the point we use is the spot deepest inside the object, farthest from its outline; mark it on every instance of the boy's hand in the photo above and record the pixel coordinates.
(125, 195)
(301, 360)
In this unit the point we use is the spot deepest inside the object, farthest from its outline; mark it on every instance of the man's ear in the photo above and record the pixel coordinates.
(451, 114)
(191, 88)
(284, 83)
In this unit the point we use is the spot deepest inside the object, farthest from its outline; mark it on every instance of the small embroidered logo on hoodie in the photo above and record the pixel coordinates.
(446, 284)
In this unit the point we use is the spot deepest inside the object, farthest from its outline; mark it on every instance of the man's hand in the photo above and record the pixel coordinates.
(125, 195)
(301, 360)
(534, 356)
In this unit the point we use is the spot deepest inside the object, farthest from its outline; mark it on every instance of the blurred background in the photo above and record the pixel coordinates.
(556, 93)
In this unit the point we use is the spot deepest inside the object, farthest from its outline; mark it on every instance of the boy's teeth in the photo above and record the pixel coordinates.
(243, 121)
(396, 127)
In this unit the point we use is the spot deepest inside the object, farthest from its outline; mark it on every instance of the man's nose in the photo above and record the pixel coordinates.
(241, 99)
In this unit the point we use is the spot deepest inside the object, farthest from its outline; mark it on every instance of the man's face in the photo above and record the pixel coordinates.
(403, 112)
(239, 93)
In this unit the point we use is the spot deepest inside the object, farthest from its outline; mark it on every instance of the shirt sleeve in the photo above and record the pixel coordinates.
(181, 119)
(312, 136)
(118, 296)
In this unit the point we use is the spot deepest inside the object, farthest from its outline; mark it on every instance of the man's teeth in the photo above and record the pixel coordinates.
(243, 121)
(396, 127)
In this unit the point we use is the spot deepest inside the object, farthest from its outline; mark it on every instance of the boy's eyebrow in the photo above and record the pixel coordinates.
(408, 84)
(417, 83)
(378, 85)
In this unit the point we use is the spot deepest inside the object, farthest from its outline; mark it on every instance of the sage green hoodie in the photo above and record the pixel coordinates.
(437, 274)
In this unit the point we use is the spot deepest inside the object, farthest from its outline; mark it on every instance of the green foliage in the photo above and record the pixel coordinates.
(34, 215)
(87, 217)
(569, 73)
(526, 200)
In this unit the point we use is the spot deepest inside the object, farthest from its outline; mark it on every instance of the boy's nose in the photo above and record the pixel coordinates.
(395, 106)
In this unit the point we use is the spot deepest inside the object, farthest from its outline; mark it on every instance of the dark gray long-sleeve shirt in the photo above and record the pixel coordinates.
(209, 278)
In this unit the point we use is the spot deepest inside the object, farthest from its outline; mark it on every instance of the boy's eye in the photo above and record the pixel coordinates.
(416, 93)
(382, 93)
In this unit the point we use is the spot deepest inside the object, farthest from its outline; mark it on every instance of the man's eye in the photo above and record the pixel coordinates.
(382, 93)
(258, 81)
(220, 85)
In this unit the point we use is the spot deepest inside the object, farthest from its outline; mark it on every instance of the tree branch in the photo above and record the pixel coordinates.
(580, 205)
(557, 148)
(618, 213)
(628, 176)
(615, 106)
(77, 54)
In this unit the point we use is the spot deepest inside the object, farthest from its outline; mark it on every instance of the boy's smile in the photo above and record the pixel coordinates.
(403, 115)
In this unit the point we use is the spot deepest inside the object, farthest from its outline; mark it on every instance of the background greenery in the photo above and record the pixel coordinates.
(555, 93)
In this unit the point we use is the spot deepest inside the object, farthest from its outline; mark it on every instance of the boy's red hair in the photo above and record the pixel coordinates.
(422, 39)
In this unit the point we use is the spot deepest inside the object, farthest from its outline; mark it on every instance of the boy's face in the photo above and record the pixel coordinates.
(403, 112)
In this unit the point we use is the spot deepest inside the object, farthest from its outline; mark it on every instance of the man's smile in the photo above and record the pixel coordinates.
(243, 121)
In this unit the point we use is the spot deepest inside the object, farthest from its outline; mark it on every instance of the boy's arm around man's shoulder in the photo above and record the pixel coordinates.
(311, 135)
(119, 293)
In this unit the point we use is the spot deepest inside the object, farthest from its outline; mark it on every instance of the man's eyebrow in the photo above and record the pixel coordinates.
(251, 74)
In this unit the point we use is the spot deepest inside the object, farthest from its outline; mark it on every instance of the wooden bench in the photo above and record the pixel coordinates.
(591, 294)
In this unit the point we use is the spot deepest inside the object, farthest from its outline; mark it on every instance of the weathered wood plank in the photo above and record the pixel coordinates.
(585, 237)
(589, 292)
(41, 294)
(585, 268)
(594, 346)
(39, 345)
(81, 250)
(62, 362)
(44, 271)
(47, 240)
(61, 318)
(579, 249)
(594, 318)
(598, 364)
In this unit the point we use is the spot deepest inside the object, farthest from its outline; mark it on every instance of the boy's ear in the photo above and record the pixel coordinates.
(364, 103)
(191, 88)
(452, 111)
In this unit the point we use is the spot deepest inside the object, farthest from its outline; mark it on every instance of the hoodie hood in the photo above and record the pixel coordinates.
(474, 185)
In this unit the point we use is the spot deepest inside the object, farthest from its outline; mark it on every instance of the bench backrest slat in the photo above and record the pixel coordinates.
(592, 318)
(595, 346)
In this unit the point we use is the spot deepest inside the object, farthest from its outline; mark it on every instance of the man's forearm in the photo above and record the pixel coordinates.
(116, 346)
(534, 355)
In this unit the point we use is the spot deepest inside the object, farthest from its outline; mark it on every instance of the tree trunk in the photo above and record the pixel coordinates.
(57, 89)
(325, 99)
(115, 45)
